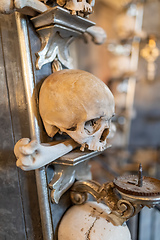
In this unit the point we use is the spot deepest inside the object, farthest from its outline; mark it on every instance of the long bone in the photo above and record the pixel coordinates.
(29, 7)
(32, 155)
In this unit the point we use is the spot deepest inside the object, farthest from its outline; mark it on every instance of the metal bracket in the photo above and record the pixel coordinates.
(72, 166)
(57, 28)
(125, 202)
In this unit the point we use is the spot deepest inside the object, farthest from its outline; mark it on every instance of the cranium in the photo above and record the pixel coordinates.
(75, 5)
(79, 104)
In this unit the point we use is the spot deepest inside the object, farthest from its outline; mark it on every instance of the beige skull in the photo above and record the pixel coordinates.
(75, 5)
(79, 104)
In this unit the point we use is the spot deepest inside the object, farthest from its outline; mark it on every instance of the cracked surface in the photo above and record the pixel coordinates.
(89, 230)
(88, 222)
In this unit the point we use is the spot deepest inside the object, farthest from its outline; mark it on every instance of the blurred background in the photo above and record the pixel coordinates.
(128, 62)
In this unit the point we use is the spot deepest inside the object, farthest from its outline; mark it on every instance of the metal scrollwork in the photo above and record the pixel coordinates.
(126, 209)
(68, 169)
(125, 196)
(78, 198)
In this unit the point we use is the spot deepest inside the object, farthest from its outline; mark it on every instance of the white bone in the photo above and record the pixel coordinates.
(88, 221)
(28, 6)
(33, 155)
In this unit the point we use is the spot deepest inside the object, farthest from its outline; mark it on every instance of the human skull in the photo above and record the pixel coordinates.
(75, 5)
(88, 221)
(79, 104)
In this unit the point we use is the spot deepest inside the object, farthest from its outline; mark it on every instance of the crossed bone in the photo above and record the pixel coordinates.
(28, 7)
(32, 155)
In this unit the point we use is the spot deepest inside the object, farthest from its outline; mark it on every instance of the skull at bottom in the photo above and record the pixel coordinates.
(79, 104)
(88, 222)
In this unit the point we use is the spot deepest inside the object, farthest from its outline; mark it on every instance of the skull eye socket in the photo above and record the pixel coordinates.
(92, 125)
(72, 128)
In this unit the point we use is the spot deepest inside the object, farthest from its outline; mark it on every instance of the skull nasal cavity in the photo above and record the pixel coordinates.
(104, 135)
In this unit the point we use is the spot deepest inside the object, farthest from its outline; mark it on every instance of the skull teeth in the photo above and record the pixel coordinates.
(82, 148)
